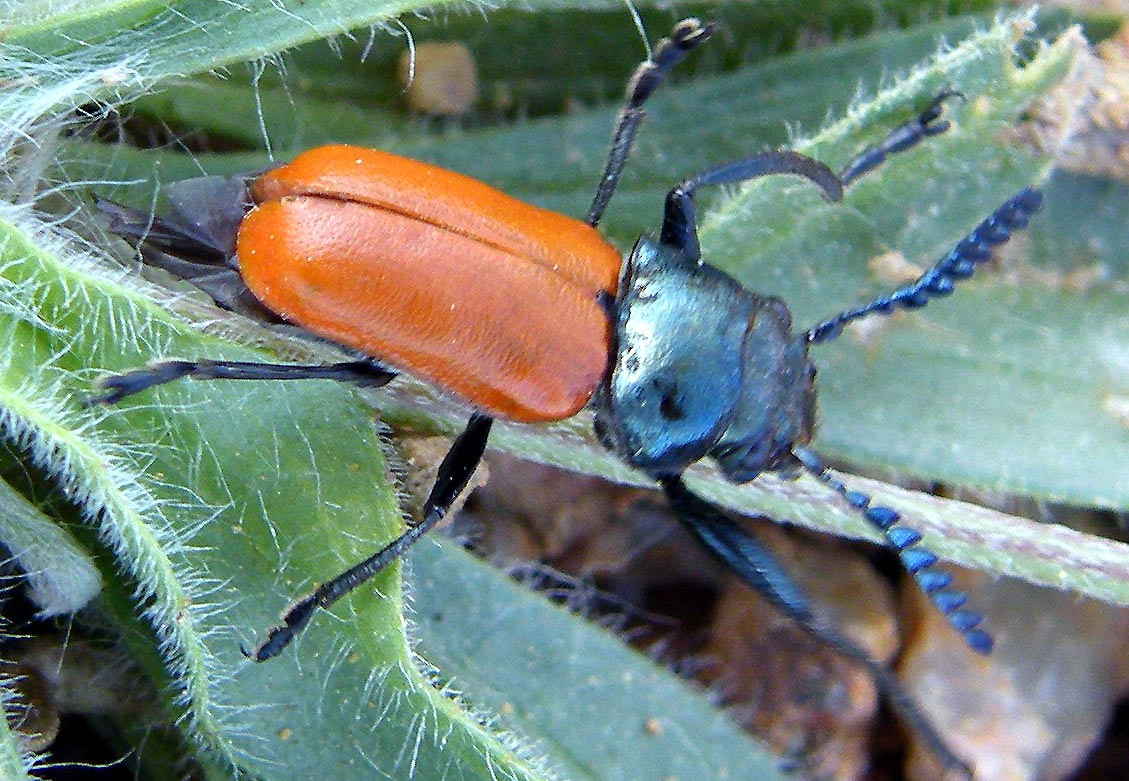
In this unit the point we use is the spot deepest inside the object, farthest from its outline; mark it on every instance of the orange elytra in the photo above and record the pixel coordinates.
(490, 298)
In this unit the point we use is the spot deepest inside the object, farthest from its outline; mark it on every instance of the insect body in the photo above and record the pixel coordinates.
(527, 315)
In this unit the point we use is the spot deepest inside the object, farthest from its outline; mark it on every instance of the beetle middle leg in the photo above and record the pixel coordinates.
(454, 473)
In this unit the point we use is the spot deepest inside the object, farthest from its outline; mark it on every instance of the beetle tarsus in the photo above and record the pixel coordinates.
(294, 619)
(686, 35)
(901, 138)
(120, 386)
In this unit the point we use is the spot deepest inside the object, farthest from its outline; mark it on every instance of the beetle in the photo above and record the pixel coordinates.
(386, 257)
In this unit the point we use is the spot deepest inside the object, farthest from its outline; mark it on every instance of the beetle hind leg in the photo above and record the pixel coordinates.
(757, 568)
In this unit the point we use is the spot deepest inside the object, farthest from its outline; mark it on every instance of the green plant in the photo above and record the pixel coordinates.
(195, 504)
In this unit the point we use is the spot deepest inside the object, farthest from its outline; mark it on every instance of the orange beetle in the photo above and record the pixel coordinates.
(527, 315)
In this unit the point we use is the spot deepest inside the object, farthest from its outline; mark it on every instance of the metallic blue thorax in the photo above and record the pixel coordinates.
(701, 367)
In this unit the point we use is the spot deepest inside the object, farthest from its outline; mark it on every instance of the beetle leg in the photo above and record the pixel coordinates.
(685, 36)
(454, 474)
(918, 560)
(754, 565)
(679, 228)
(116, 387)
(960, 263)
(901, 138)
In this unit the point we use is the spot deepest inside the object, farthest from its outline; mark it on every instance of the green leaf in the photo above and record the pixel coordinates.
(594, 707)
(61, 577)
(935, 396)
(219, 502)
(206, 518)
(14, 761)
(268, 497)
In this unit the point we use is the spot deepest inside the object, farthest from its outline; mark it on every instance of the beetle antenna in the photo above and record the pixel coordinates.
(959, 264)
(918, 560)
(685, 37)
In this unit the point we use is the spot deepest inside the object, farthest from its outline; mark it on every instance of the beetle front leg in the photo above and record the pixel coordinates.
(757, 568)
(454, 473)
(679, 228)
(903, 137)
(686, 36)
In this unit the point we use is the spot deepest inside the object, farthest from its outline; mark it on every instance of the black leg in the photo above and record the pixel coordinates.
(749, 560)
(118, 386)
(454, 474)
(685, 36)
(973, 250)
(679, 227)
(927, 123)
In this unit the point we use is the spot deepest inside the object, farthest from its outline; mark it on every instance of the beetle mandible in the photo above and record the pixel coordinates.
(677, 359)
